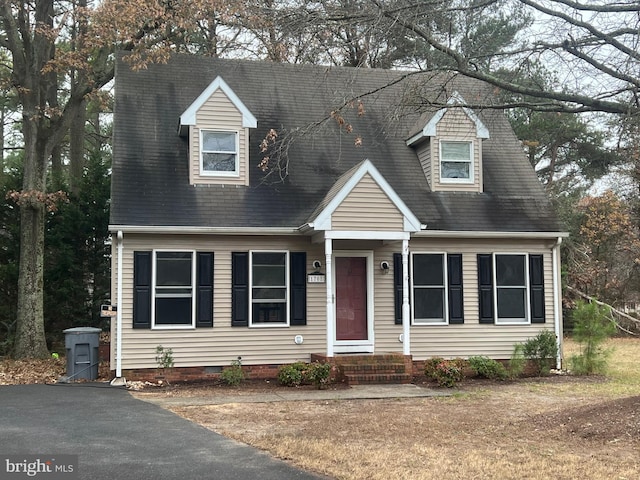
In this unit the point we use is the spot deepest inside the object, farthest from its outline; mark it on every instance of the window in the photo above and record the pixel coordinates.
(436, 288)
(173, 289)
(429, 287)
(456, 162)
(511, 289)
(269, 288)
(219, 153)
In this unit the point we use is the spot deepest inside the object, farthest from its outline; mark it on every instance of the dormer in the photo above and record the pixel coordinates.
(217, 125)
(449, 147)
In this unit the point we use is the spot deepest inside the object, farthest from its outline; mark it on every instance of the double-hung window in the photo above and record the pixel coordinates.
(429, 286)
(456, 161)
(173, 289)
(269, 288)
(219, 153)
(512, 287)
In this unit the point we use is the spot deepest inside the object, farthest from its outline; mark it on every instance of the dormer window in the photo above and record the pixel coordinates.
(448, 144)
(219, 153)
(456, 162)
(217, 125)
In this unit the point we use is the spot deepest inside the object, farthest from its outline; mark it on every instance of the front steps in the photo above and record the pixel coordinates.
(364, 369)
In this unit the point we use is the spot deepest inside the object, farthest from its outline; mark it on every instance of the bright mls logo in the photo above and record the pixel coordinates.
(50, 467)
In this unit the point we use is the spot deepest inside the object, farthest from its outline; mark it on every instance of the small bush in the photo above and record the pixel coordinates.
(517, 361)
(319, 374)
(164, 357)
(592, 326)
(486, 367)
(233, 375)
(447, 373)
(292, 375)
(299, 373)
(541, 350)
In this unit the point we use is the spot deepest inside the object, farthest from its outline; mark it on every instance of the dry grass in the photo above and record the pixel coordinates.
(555, 428)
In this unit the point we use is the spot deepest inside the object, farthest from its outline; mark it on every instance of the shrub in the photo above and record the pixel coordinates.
(296, 374)
(164, 357)
(486, 367)
(541, 350)
(318, 373)
(233, 375)
(292, 375)
(517, 361)
(592, 326)
(447, 373)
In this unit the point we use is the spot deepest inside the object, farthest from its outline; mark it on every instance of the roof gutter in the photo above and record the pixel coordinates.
(189, 230)
(480, 234)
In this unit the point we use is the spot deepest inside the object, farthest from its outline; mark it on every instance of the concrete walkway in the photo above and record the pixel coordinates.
(294, 395)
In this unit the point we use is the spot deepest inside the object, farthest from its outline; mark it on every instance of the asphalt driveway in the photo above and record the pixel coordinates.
(118, 437)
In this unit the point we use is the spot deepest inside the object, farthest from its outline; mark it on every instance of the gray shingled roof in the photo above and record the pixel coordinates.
(150, 185)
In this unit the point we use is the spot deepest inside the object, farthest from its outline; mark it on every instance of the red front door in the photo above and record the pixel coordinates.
(351, 298)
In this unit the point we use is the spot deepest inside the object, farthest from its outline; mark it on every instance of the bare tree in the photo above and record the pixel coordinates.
(595, 45)
(52, 83)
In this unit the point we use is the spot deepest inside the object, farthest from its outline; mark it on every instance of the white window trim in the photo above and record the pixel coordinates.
(287, 282)
(203, 173)
(445, 273)
(527, 307)
(471, 178)
(193, 292)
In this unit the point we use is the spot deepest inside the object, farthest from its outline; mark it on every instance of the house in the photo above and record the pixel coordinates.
(273, 213)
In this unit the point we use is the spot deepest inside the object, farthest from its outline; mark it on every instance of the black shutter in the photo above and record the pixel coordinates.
(485, 287)
(397, 287)
(454, 272)
(204, 292)
(240, 289)
(536, 285)
(298, 279)
(141, 289)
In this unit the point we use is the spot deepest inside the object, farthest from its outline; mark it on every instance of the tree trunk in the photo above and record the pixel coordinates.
(30, 337)
(76, 148)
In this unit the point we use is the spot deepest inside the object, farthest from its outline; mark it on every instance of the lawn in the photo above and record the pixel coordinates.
(558, 427)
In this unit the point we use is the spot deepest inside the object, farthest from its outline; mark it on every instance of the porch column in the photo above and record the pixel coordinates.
(328, 252)
(406, 313)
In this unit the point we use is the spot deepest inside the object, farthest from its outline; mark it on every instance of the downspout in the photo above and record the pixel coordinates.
(119, 380)
(557, 300)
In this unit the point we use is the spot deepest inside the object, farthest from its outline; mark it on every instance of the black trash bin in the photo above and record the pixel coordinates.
(82, 352)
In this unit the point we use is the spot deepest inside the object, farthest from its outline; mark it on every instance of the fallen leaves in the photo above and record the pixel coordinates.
(21, 372)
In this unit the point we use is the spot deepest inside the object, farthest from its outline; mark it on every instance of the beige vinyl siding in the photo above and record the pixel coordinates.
(218, 113)
(473, 338)
(386, 331)
(455, 125)
(424, 155)
(367, 207)
(220, 345)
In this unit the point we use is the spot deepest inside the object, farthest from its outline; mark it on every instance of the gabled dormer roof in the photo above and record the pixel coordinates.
(321, 218)
(188, 118)
(456, 100)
